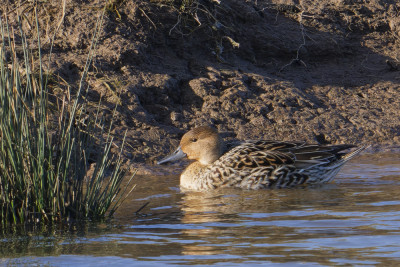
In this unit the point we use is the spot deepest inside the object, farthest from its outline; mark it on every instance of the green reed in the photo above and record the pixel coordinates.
(46, 145)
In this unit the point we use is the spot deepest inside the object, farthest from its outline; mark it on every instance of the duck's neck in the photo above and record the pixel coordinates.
(211, 155)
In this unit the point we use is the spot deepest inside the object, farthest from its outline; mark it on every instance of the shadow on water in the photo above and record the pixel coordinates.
(355, 220)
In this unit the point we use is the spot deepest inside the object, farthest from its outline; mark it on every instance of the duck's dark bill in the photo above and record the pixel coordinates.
(178, 154)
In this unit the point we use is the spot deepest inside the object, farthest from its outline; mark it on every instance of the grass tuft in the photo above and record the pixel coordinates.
(46, 146)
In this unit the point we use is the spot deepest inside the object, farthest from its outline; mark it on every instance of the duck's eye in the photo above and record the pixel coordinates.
(193, 140)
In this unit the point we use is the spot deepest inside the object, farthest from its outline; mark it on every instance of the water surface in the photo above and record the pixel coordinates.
(353, 221)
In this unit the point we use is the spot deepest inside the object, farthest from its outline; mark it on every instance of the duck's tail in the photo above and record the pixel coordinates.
(336, 166)
(354, 153)
(325, 172)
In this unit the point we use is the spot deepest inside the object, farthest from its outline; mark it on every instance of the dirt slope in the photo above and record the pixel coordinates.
(323, 71)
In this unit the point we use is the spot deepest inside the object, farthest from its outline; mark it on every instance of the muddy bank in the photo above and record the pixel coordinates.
(325, 72)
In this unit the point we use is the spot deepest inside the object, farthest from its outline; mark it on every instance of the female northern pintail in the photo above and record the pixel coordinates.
(255, 164)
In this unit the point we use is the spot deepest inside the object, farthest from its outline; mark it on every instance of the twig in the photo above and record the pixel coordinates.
(303, 35)
(144, 14)
(177, 23)
(142, 207)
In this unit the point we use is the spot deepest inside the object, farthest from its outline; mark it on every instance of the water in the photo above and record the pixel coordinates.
(354, 221)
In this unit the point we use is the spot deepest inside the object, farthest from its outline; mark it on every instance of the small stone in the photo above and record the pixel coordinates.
(175, 116)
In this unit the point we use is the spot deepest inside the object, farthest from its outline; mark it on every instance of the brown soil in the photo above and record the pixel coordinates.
(322, 71)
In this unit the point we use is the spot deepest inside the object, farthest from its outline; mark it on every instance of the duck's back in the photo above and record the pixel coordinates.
(271, 164)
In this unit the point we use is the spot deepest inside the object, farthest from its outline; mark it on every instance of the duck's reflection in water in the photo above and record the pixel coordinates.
(235, 220)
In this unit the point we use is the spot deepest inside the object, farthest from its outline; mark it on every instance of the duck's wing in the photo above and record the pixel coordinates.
(252, 154)
(313, 155)
(256, 165)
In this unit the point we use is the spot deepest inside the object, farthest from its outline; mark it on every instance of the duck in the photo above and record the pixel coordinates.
(255, 164)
